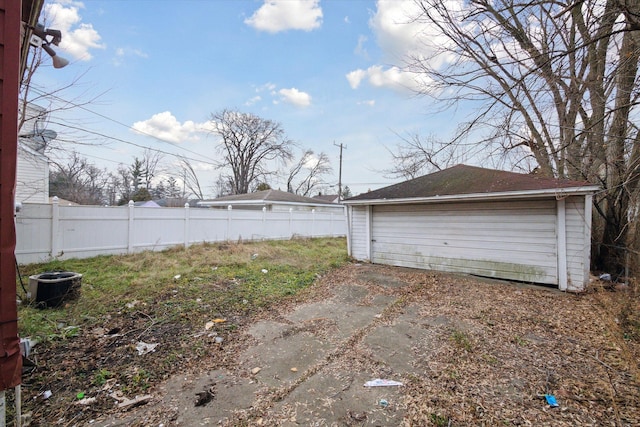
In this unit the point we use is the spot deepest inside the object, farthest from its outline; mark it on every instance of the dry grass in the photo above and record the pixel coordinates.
(489, 351)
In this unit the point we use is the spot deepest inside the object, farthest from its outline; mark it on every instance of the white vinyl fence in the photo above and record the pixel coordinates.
(48, 231)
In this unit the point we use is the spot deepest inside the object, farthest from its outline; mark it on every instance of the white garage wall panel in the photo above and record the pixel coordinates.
(510, 240)
(359, 232)
(578, 242)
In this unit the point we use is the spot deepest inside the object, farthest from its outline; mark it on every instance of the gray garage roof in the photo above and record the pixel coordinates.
(469, 182)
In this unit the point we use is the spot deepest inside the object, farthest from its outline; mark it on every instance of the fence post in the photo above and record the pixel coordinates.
(229, 209)
(290, 223)
(313, 222)
(264, 222)
(130, 233)
(331, 224)
(3, 409)
(55, 227)
(186, 225)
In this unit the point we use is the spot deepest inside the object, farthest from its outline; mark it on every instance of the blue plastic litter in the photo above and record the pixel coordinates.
(551, 400)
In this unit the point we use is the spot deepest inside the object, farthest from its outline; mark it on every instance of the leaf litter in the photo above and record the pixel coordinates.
(494, 351)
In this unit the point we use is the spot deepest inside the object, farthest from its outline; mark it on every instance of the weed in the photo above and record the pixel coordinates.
(101, 377)
(461, 340)
(439, 420)
(519, 341)
(491, 360)
(140, 379)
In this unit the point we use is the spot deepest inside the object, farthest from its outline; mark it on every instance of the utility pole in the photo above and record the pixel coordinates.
(340, 171)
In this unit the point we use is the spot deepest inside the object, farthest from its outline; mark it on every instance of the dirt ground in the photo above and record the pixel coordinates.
(467, 352)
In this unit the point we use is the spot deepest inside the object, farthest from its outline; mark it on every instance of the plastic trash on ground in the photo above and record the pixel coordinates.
(144, 348)
(382, 383)
(551, 400)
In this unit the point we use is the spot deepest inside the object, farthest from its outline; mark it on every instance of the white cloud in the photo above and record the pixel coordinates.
(77, 37)
(369, 102)
(269, 87)
(399, 34)
(253, 100)
(392, 77)
(199, 166)
(295, 97)
(166, 127)
(122, 53)
(281, 15)
(355, 78)
(360, 49)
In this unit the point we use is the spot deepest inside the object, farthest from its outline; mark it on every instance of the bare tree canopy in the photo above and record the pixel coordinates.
(556, 82)
(249, 145)
(414, 156)
(307, 174)
(190, 179)
(78, 181)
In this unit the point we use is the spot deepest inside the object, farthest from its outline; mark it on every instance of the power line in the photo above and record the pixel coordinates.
(132, 143)
(82, 107)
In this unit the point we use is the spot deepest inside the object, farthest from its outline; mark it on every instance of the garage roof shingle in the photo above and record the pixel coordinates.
(463, 179)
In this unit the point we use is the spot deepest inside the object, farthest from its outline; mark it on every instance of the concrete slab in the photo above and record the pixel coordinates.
(267, 330)
(285, 359)
(338, 397)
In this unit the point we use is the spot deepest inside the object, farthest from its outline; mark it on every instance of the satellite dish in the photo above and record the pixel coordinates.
(45, 135)
(48, 134)
(39, 140)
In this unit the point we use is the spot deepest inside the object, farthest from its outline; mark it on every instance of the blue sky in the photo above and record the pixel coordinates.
(326, 70)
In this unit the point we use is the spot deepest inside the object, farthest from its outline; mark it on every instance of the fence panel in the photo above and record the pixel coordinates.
(86, 231)
(47, 231)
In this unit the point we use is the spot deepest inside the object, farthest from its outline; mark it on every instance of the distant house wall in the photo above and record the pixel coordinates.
(32, 176)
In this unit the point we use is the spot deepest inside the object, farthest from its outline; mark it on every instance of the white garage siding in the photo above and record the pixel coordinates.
(578, 223)
(510, 240)
(359, 232)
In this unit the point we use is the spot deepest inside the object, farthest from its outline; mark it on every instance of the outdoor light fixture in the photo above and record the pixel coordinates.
(42, 37)
(58, 61)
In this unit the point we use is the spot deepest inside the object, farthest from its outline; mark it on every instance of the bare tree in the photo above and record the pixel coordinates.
(414, 156)
(249, 145)
(223, 185)
(190, 179)
(79, 181)
(307, 174)
(555, 82)
(151, 166)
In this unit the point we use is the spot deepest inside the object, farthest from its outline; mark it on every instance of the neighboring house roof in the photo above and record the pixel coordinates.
(63, 202)
(147, 204)
(331, 198)
(265, 197)
(469, 182)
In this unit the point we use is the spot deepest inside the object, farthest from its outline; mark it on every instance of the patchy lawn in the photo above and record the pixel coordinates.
(162, 298)
(478, 352)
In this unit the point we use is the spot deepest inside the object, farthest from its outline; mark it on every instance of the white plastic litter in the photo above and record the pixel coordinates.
(382, 383)
(144, 348)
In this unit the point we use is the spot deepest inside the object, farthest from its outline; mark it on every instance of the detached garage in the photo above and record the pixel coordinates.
(478, 221)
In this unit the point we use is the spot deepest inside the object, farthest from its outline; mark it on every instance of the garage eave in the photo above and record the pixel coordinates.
(513, 195)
